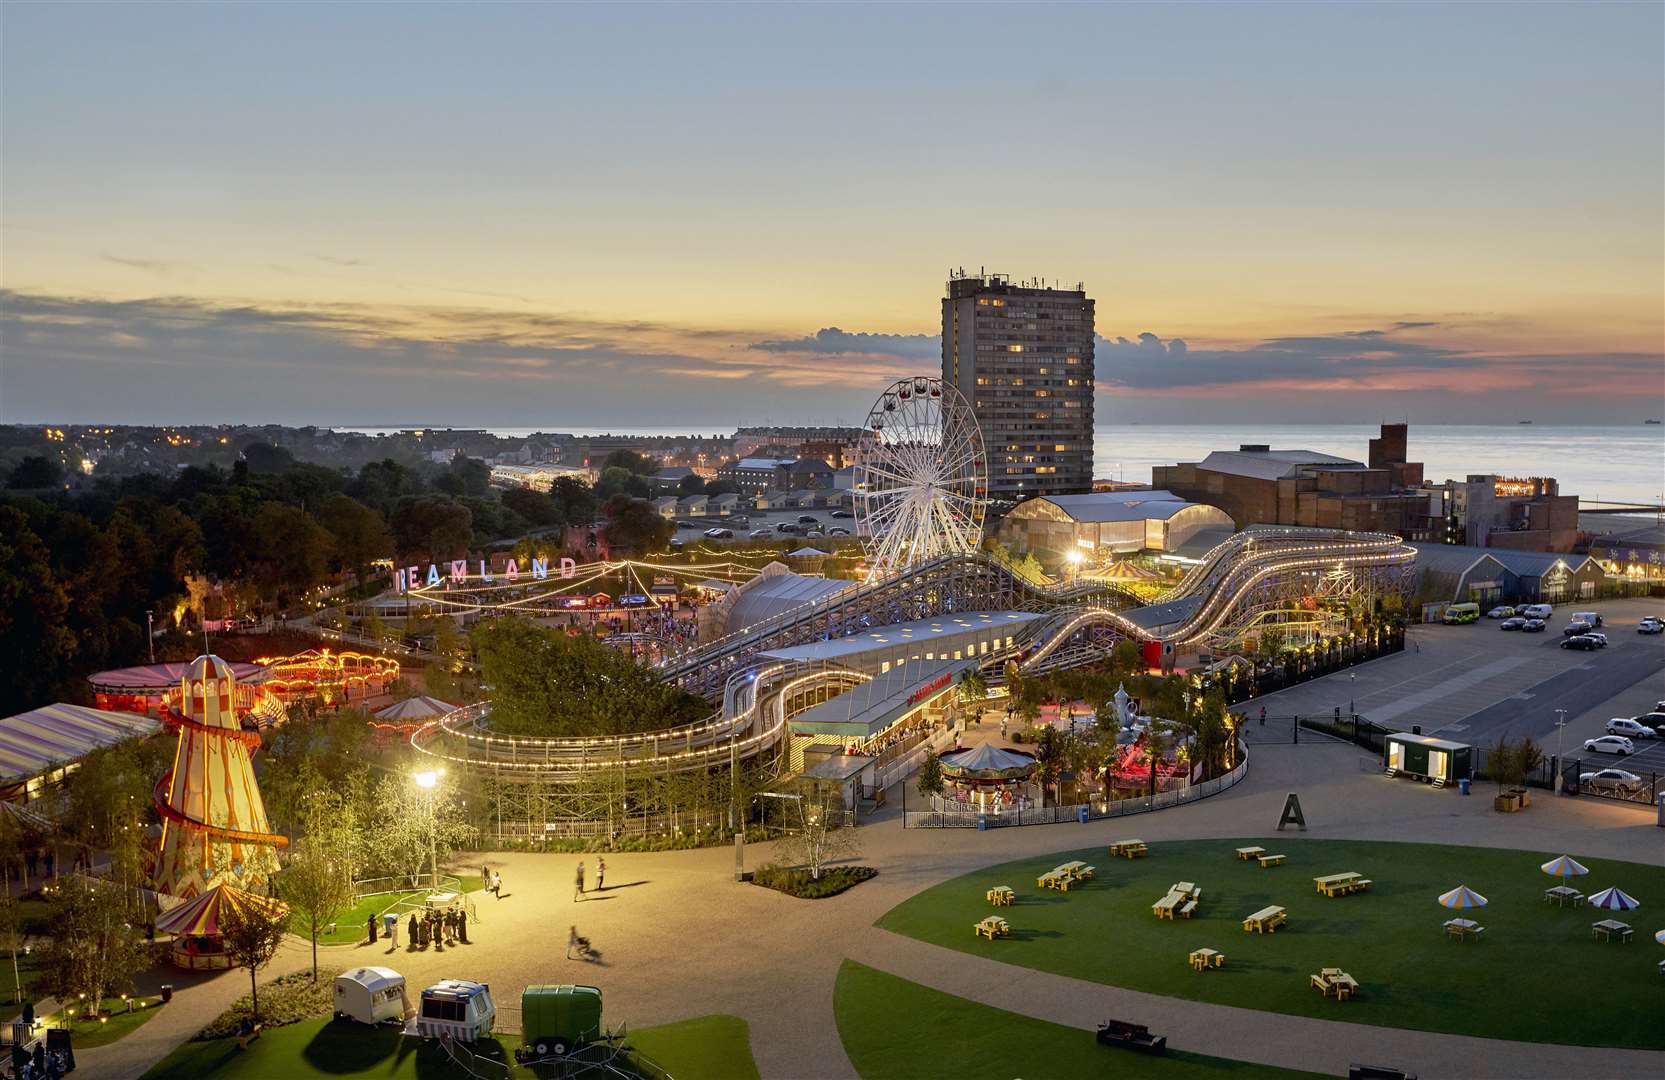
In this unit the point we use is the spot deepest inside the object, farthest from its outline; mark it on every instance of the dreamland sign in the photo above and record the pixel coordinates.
(406, 578)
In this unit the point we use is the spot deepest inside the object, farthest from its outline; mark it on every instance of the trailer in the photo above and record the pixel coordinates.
(1425, 758)
(558, 1018)
(370, 995)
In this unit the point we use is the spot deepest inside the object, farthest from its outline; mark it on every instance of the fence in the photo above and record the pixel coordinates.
(1585, 778)
(1053, 815)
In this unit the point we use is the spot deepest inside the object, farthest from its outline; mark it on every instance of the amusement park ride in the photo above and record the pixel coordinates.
(920, 503)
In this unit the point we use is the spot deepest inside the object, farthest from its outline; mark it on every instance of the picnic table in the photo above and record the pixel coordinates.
(1077, 870)
(1203, 959)
(1266, 920)
(1271, 860)
(1133, 849)
(1608, 929)
(1165, 907)
(992, 927)
(1561, 895)
(1247, 853)
(1184, 888)
(1335, 981)
(1338, 884)
(1054, 879)
(1001, 896)
(1463, 929)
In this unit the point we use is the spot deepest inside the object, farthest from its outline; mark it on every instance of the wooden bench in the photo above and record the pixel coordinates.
(1087, 872)
(1266, 920)
(1247, 853)
(1202, 959)
(1000, 896)
(991, 928)
(1132, 1036)
(1272, 860)
(1362, 885)
(1187, 908)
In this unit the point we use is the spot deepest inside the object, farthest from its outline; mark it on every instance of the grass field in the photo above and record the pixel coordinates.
(706, 1048)
(894, 1029)
(350, 924)
(90, 1033)
(1536, 976)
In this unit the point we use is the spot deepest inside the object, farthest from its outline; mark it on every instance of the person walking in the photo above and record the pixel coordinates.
(390, 923)
(372, 927)
(485, 876)
(600, 873)
(497, 884)
(1263, 716)
(578, 885)
(462, 926)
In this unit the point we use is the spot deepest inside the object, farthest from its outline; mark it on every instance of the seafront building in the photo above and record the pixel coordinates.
(1022, 354)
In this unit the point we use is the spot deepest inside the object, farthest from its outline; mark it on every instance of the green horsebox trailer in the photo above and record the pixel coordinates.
(558, 1018)
(1431, 760)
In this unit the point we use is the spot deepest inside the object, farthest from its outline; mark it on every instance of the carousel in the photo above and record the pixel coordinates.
(198, 925)
(988, 776)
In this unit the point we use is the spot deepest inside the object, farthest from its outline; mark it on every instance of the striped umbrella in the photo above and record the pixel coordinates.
(1462, 897)
(1614, 900)
(1659, 936)
(1564, 866)
(203, 914)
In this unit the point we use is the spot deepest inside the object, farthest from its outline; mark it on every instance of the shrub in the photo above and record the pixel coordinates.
(833, 880)
(288, 999)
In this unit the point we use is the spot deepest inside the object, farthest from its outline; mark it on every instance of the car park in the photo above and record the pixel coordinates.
(1537, 611)
(1514, 622)
(1503, 612)
(1610, 744)
(1582, 642)
(1651, 625)
(1630, 729)
(1534, 626)
(1625, 783)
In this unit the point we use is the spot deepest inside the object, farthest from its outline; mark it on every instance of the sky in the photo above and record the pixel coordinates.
(521, 215)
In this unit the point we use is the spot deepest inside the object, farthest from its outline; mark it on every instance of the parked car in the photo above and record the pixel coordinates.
(841, 514)
(1514, 622)
(1535, 626)
(1583, 642)
(1590, 617)
(1500, 612)
(677, 541)
(760, 534)
(1630, 729)
(1537, 611)
(836, 531)
(1610, 744)
(785, 527)
(681, 524)
(740, 520)
(812, 534)
(809, 519)
(1651, 625)
(1626, 783)
(719, 534)
(1576, 628)
(1599, 639)
(1655, 720)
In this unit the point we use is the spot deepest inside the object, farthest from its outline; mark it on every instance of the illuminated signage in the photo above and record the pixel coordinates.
(930, 688)
(406, 578)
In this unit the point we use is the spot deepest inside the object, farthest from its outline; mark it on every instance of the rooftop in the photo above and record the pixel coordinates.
(1102, 506)
(919, 630)
(1272, 464)
(1458, 558)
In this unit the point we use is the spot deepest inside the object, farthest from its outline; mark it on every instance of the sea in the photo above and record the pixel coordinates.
(1598, 464)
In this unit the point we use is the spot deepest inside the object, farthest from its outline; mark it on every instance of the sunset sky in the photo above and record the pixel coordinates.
(653, 214)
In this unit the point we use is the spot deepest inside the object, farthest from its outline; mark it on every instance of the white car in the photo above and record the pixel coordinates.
(1537, 611)
(1630, 729)
(1610, 744)
(1651, 625)
(760, 534)
(1504, 612)
(1626, 783)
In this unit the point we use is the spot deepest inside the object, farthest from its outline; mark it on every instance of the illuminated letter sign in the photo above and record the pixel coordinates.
(459, 571)
(540, 569)
(569, 569)
(512, 571)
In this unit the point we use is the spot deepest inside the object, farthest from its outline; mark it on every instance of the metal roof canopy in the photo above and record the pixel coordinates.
(874, 706)
(917, 632)
(1428, 741)
(838, 768)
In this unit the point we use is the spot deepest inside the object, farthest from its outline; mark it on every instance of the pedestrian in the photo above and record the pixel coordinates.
(485, 876)
(578, 886)
(497, 884)
(462, 926)
(600, 872)
(390, 923)
(1263, 716)
(415, 930)
(372, 927)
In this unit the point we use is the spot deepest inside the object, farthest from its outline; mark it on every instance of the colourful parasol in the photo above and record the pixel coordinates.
(202, 915)
(1462, 897)
(1614, 900)
(1659, 936)
(1564, 866)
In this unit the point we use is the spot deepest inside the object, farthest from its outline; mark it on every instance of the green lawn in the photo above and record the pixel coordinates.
(1537, 975)
(122, 1022)
(707, 1048)
(894, 1029)
(350, 924)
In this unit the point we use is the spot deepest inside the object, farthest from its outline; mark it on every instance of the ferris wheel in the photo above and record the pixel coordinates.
(921, 484)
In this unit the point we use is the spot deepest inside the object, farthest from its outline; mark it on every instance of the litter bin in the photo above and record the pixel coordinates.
(982, 823)
(1462, 785)
(167, 993)
(1081, 814)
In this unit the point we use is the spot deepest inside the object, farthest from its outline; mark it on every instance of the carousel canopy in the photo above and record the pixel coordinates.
(32, 742)
(988, 762)
(1122, 570)
(26, 819)
(201, 915)
(421, 707)
(158, 676)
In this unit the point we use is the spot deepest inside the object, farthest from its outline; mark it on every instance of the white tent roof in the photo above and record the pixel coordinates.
(421, 707)
(34, 741)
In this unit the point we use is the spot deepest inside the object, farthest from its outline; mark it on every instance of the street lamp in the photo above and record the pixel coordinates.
(1560, 722)
(429, 782)
(150, 633)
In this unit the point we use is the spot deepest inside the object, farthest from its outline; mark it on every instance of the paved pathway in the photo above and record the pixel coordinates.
(680, 938)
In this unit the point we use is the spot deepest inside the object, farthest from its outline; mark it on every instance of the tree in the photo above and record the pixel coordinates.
(265, 458)
(35, 472)
(432, 526)
(535, 507)
(634, 526)
(251, 936)
(34, 608)
(361, 535)
(411, 822)
(820, 837)
(1500, 762)
(465, 476)
(621, 481)
(94, 949)
(630, 461)
(574, 501)
(318, 884)
(692, 484)
(930, 781)
(973, 687)
(292, 551)
(11, 934)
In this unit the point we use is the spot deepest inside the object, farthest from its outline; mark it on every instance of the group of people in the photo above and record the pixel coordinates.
(425, 927)
(600, 878)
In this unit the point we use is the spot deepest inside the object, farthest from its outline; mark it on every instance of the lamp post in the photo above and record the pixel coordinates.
(429, 782)
(1560, 722)
(150, 633)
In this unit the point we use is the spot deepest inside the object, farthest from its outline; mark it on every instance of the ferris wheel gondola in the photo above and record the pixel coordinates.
(921, 488)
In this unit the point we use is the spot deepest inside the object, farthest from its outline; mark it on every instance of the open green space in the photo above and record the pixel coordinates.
(894, 1029)
(123, 1020)
(706, 1048)
(1537, 975)
(350, 924)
